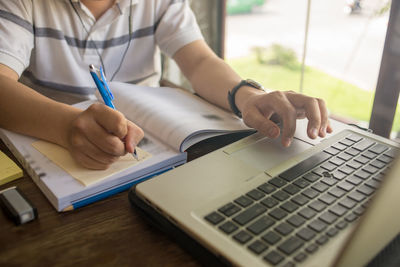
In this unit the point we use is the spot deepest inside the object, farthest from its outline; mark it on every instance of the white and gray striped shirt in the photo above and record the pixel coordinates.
(50, 43)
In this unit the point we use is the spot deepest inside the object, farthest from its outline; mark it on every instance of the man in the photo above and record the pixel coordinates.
(48, 45)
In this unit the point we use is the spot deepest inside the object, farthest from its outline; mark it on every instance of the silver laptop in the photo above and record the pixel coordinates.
(326, 202)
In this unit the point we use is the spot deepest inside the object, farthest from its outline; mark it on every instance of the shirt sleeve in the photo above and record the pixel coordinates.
(177, 27)
(16, 34)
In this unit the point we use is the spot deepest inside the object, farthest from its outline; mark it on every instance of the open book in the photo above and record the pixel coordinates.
(172, 119)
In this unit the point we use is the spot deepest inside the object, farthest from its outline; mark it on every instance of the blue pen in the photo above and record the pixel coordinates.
(105, 92)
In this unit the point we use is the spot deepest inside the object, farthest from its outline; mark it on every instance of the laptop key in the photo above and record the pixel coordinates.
(300, 257)
(291, 189)
(369, 154)
(271, 238)
(362, 174)
(302, 183)
(291, 245)
(363, 145)
(362, 159)
(391, 153)
(356, 196)
(278, 182)
(311, 248)
(354, 137)
(320, 187)
(300, 200)
(346, 186)
(258, 247)
(250, 214)
(274, 258)
(284, 229)
(229, 209)
(354, 180)
(322, 240)
(312, 177)
(338, 210)
(341, 225)
(317, 225)
(296, 220)
(378, 164)
(329, 181)
(228, 227)
(348, 203)
(331, 150)
(261, 225)
(214, 218)
(310, 193)
(242, 237)
(281, 195)
(278, 213)
(339, 175)
(289, 206)
(346, 142)
(332, 232)
(255, 194)
(328, 217)
(267, 188)
(244, 201)
(317, 205)
(306, 234)
(327, 198)
(270, 202)
(351, 217)
(336, 192)
(307, 213)
(370, 169)
(305, 166)
(379, 148)
(373, 184)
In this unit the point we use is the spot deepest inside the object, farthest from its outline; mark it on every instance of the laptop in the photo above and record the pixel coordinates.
(325, 202)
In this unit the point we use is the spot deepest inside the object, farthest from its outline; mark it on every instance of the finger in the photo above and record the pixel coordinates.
(312, 112)
(133, 137)
(80, 144)
(111, 120)
(105, 141)
(258, 121)
(325, 124)
(285, 109)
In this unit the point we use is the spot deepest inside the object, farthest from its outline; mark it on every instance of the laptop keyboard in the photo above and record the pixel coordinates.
(288, 218)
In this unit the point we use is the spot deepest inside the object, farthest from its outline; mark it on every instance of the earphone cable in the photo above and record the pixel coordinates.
(95, 46)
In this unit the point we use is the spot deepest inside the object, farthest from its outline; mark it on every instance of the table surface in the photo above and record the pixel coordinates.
(108, 232)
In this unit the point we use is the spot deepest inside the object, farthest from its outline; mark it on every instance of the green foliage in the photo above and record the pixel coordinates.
(277, 55)
(342, 98)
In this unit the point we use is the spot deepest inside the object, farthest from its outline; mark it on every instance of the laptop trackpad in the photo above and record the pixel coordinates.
(268, 153)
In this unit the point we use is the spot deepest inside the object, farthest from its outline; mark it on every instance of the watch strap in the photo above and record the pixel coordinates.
(232, 94)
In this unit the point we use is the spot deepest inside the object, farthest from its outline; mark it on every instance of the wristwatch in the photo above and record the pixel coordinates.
(231, 94)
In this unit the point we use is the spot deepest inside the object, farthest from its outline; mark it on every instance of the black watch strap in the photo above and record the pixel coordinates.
(231, 94)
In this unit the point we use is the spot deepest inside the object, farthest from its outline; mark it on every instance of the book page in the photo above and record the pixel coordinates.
(173, 115)
(63, 159)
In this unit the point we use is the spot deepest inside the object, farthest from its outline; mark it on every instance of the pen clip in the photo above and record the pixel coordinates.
(104, 81)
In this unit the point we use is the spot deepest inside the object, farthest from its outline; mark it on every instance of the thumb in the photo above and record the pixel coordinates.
(258, 121)
(133, 136)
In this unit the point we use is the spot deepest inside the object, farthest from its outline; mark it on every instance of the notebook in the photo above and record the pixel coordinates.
(172, 119)
(326, 202)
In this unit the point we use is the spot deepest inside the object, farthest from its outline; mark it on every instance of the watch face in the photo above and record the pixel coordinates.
(255, 84)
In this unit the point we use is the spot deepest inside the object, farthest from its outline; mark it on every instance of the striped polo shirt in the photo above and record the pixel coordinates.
(50, 43)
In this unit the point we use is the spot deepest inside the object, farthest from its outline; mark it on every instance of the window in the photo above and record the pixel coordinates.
(265, 41)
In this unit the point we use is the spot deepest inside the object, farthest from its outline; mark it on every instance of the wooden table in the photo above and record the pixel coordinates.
(107, 233)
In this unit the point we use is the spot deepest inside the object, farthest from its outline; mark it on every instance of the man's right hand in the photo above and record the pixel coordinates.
(99, 135)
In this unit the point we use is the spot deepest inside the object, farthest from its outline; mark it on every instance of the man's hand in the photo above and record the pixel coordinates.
(100, 135)
(288, 106)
